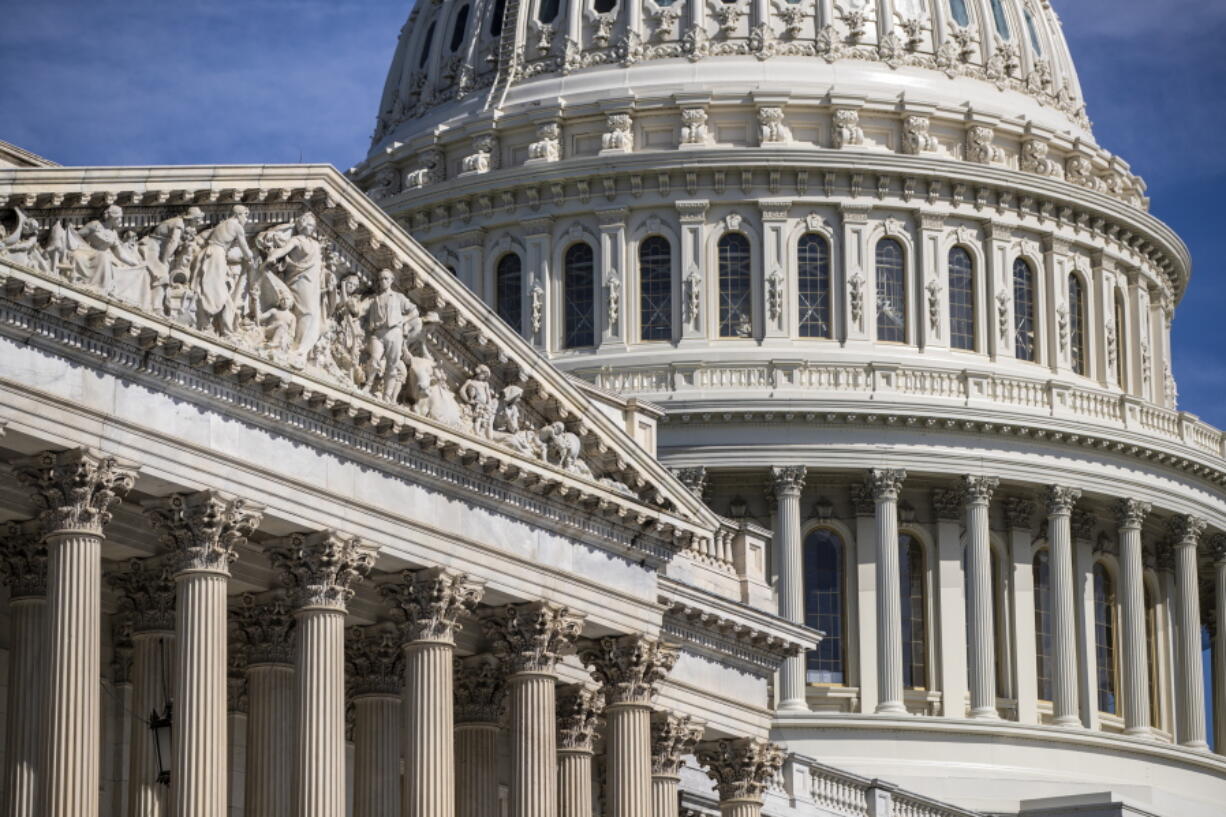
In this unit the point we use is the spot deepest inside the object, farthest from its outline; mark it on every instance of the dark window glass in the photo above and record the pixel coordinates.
(1077, 323)
(961, 15)
(1002, 20)
(1043, 623)
(579, 285)
(508, 291)
(1000, 627)
(604, 6)
(548, 11)
(891, 292)
(813, 286)
(1121, 365)
(735, 280)
(656, 289)
(1023, 310)
(961, 299)
(459, 29)
(1104, 640)
(1033, 28)
(914, 613)
(1151, 658)
(824, 605)
(425, 48)
(500, 12)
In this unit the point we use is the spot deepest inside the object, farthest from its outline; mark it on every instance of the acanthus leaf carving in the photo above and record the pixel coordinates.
(532, 637)
(579, 709)
(629, 668)
(204, 530)
(321, 569)
(480, 690)
(264, 625)
(76, 489)
(374, 660)
(673, 736)
(23, 559)
(427, 604)
(742, 768)
(146, 590)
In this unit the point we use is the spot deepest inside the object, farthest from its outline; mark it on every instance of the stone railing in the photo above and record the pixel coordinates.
(837, 792)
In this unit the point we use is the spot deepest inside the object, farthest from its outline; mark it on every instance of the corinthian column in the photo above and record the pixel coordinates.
(886, 486)
(147, 597)
(1060, 501)
(374, 661)
(529, 639)
(480, 697)
(428, 605)
(630, 669)
(203, 531)
(76, 490)
(320, 570)
(579, 709)
(1185, 533)
(23, 565)
(1217, 547)
(742, 769)
(977, 493)
(1132, 603)
(788, 484)
(673, 737)
(265, 626)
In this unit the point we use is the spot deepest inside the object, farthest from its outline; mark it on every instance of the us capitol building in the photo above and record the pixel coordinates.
(688, 407)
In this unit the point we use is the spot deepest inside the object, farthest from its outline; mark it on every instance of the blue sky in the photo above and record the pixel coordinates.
(270, 81)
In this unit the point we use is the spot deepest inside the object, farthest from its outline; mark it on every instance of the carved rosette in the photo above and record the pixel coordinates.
(979, 490)
(885, 483)
(76, 489)
(742, 768)
(788, 479)
(532, 637)
(427, 604)
(1061, 499)
(265, 627)
(23, 560)
(1185, 530)
(629, 668)
(321, 568)
(947, 504)
(1131, 513)
(146, 595)
(673, 737)
(579, 709)
(1019, 512)
(203, 530)
(374, 661)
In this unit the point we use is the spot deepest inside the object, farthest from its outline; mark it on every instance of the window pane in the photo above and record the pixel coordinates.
(508, 289)
(1104, 640)
(656, 289)
(1151, 657)
(425, 49)
(891, 292)
(813, 286)
(914, 613)
(496, 19)
(580, 298)
(1033, 28)
(1042, 623)
(548, 11)
(1002, 21)
(1023, 310)
(735, 279)
(961, 299)
(958, 9)
(823, 568)
(459, 29)
(1121, 365)
(1077, 323)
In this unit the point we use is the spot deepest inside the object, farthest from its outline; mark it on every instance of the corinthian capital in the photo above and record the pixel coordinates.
(532, 637)
(428, 603)
(1217, 549)
(1185, 530)
(629, 668)
(742, 768)
(146, 595)
(265, 628)
(1061, 499)
(321, 568)
(885, 483)
(579, 709)
(788, 479)
(1019, 512)
(1131, 513)
(673, 737)
(203, 530)
(23, 559)
(979, 490)
(76, 489)
(374, 660)
(480, 690)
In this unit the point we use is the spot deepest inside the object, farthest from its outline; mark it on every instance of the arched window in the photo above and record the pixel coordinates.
(1001, 19)
(1121, 363)
(1033, 28)
(914, 613)
(813, 286)
(891, 292)
(1151, 659)
(961, 299)
(604, 6)
(823, 568)
(1043, 623)
(1023, 310)
(496, 19)
(547, 11)
(508, 290)
(962, 15)
(1104, 640)
(1077, 323)
(656, 289)
(579, 297)
(459, 29)
(426, 46)
(735, 280)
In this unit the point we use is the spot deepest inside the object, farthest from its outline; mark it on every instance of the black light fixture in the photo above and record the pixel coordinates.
(160, 725)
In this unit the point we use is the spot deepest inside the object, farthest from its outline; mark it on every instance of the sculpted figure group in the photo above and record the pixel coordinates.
(284, 293)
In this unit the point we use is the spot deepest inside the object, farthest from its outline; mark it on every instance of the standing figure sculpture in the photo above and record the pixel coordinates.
(215, 308)
(392, 321)
(479, 394)
(160, 251)
(303, 261)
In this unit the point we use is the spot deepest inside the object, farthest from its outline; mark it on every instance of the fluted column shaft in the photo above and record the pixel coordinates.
(886, 485)
(665, 794)
(23, 738)
(1219, 645)
(198, 775)
(152, 665)
(740, 808)
(1132, 608)
(981, 625)
(429, 774)
(575, 783)
(376, 756)
(532, 704)
(476, 753)
(1192, 678)
(628, 754)
(1064, 622)
(270, 743)
(319, 773)
(788, 484)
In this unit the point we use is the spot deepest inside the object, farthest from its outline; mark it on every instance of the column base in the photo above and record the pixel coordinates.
(1199, 745)
(793, 705)
(891, 708)
(1140, 732)
(986, 714)
(1069, 721)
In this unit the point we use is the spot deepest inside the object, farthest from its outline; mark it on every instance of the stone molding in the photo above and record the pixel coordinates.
(706, 631)
(321, 568)
(76, 489)
(146, 590)
(23, 559)
(532, 637)
(427, 604)
(673, 736)
(204, 530)
(265, 626)
(629, 668)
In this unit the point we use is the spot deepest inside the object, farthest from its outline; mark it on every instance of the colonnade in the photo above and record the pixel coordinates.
(879, 497)
(416, 705)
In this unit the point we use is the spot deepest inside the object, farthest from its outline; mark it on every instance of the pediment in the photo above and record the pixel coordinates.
(295, 267)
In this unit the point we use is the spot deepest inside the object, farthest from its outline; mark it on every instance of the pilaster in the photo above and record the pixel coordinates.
(612, 279)
(695, 317)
